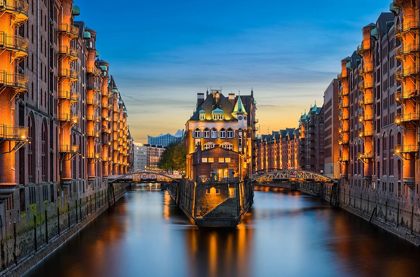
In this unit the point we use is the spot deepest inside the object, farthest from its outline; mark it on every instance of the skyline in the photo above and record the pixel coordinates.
(173, 54)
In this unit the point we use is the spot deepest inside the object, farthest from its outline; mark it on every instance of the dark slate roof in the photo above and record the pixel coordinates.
(210, 104)
(382, 21)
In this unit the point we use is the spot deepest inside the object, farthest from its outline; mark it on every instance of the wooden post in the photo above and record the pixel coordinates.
(46, 226)
(35, 237)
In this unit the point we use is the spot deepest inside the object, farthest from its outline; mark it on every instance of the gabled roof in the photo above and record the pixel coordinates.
(211, 104)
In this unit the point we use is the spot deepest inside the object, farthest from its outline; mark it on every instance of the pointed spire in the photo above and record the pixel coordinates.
(239, 107)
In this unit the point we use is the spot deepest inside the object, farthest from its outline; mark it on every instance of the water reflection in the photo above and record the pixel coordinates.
(285, 234)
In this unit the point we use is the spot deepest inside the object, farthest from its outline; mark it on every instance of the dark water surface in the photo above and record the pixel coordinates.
(285, 234)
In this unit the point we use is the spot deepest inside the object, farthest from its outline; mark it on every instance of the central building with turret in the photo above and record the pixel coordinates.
(219, 135)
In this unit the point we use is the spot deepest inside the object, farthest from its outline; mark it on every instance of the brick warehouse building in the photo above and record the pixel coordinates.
(277, 151)
(379, 121)
(63, 128)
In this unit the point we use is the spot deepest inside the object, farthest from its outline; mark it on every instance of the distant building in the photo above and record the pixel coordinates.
(331, 133)
(311, 140)
(140, 156)
(146, 156)
(166, 140)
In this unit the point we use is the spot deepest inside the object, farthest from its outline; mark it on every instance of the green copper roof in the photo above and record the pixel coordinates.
(115, 90)
(76, 10)
(103, 67)
(394, 9)
(217, 110)
(348, 65)
(202, 111)
(97, 53)
(374, 33)
(87, 35)
(314, 108)
(239, 107)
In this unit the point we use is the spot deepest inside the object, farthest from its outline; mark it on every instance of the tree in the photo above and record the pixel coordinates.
(174, 157)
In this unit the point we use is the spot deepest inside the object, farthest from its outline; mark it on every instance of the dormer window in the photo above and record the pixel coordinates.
(202, 115)
(218, 114)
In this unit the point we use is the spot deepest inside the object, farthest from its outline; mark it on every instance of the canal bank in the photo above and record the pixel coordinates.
(393, 214)
(46, 227)
(285, 233)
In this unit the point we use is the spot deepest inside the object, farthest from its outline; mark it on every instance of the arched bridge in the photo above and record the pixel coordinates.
(144, 176)
(290, 175)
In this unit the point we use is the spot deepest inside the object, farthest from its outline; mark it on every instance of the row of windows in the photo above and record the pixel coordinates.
(211, 160)
(213, 133)
(226, 146)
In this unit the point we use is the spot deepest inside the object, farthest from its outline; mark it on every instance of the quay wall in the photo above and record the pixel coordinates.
(29, 237)
(397, 215)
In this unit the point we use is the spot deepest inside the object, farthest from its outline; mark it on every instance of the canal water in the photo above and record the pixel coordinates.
(285, 234)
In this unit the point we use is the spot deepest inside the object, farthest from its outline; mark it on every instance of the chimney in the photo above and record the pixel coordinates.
(200, 99)
(232, 98)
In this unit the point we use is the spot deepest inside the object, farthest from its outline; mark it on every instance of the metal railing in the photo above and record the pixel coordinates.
(406, 72)
(407, 49)
(69, 29)
(13, 133)
(65, 50)
(406, 148)
(406, 117)
(93, 70)
(407, 27)
(16, 43)
(17, 80)
(19, 6)
(67, 148)
(68, 73)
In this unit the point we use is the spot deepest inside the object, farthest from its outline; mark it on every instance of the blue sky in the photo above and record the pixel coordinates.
(162, 52)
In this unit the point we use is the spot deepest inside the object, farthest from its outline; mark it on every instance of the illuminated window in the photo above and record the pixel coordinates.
(197, 133)
(221, 160)
(227, 160)
(204, 160)
(227, 146)
(211, 160)
(230, 133)
(213, 133)
(208, 146)
(206, 133)
(202, 116)
(223, 133)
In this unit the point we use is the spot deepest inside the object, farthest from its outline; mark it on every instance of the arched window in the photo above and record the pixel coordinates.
(44, 151)
(223, 133)
(230, 133)
(206, 133)
(399, 138)
(213, 133)
(197, 133)
(31, 148)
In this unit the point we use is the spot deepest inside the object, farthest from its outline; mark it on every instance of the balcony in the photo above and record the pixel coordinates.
(343, 159)
(411, 26)
(16, 44)
(93, 102)
(70, 52)
(365, 117)
(93, 134)
(13, 133)
(363, 47)
(67, 148)
(70, 30)
(407, 117)
(94, 118)
(366, 133)
(94, 71)
(406, 149)
(66, 117)
(106, 130)
(407, 49)
(406, 95)
(365, 85)
(18, 8)
(343, 141)
(405, 73)
(17, 81)
(70, 74)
